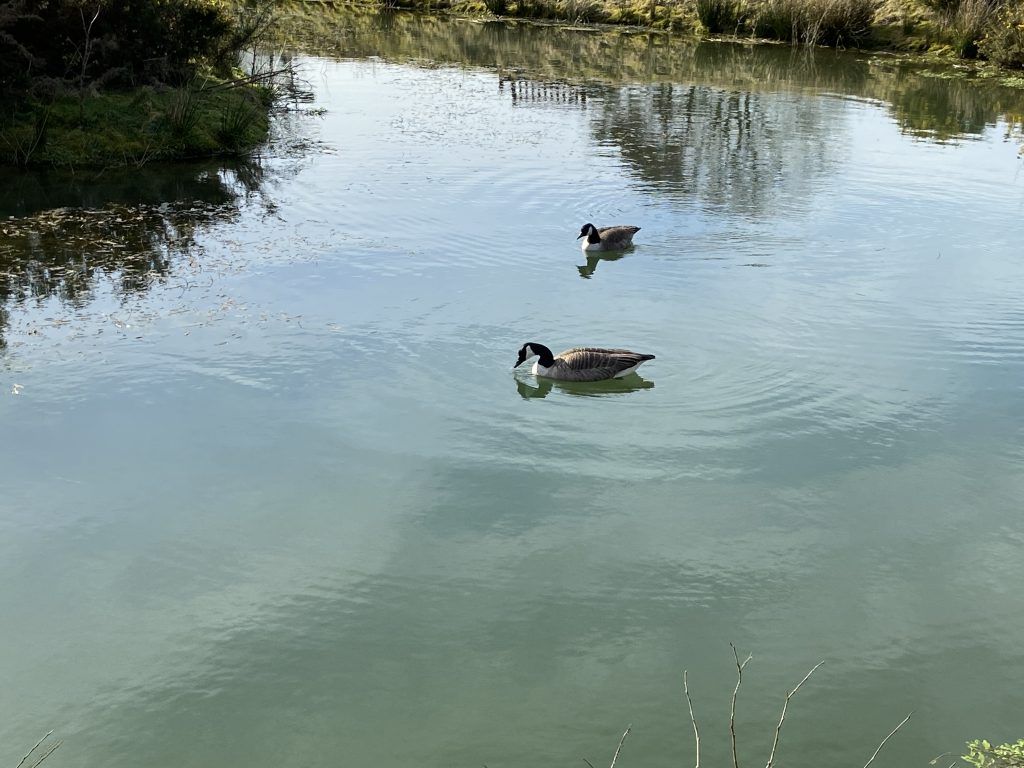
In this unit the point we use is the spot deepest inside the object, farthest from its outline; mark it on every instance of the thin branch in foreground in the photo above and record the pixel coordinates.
(732, 709)
(588, 762)
(785, 706)
(902, 723)
(247, 80)
(618, 748)
(49, 751)
(696, 733)
(48, 734)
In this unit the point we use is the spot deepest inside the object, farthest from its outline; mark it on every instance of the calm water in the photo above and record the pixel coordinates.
(273, 496)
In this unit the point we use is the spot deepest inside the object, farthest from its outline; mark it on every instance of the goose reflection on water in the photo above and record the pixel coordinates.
(541, 387)
(595, 258)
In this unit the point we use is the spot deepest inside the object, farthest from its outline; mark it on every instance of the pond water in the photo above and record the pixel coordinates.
(274, 496)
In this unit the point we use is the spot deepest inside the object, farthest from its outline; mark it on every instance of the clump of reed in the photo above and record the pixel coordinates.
(813, 22)
(237, 123)
(183, 111)
(990, 29)
(721, 15)
(580, 10)
(964, 22)
(809, 22)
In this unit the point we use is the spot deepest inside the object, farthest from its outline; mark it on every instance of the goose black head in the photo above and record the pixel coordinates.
(533, 349)
(589, 231)
(524, 352)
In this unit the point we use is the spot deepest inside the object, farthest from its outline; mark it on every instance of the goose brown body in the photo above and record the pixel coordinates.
(582, 363)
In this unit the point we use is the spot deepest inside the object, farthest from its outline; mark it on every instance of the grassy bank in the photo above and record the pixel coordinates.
(132, 127)
(991, 30)
(122, 82)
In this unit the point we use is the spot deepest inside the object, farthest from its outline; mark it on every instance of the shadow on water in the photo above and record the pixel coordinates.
(541, 387)
(61, 234)
(593, 259)
(26, 193)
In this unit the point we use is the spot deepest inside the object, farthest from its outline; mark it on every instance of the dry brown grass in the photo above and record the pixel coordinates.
(966, 23)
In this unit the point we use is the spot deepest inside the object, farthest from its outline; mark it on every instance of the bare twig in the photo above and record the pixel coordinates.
(248, 79)
(49, 751)
(48, 734)
(87, 46)
(85, 54)
(902, 723)
(696, 733)
(732, 710)
(618, 748)
(588, 762)
(785, 705)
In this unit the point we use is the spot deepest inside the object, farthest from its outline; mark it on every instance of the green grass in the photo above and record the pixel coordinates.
(134, 127)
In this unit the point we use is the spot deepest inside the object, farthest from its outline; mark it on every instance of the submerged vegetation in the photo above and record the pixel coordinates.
(122, 82)
(983, 754)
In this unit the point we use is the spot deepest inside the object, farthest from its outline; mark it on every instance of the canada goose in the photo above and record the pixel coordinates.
(581, 363)
(607, 238)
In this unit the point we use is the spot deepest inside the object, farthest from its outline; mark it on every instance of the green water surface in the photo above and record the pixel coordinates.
(272, 494)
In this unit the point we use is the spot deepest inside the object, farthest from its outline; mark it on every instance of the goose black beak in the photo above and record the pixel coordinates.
(579, 235)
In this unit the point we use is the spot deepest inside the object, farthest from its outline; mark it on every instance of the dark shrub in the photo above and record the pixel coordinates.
(1003, 42)
(128, 42)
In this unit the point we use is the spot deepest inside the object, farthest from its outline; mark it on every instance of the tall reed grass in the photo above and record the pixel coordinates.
(966, 24)
(810, 22)
(720, 15)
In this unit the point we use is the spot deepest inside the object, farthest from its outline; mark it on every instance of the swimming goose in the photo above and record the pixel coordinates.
(607, 238)
(581, 363)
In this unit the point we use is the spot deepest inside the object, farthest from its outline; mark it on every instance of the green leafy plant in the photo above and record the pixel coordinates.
(981, 754)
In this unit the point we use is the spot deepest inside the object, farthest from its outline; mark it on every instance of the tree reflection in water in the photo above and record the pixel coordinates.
(559, 64)
(63, 234)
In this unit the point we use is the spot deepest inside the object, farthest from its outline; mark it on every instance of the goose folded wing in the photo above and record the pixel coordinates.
(596, 363)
